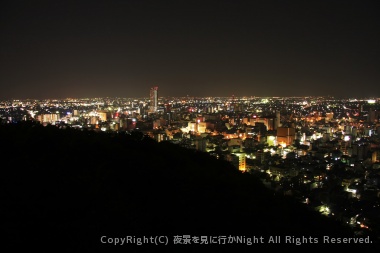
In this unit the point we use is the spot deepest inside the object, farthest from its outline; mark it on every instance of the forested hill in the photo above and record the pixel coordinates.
(67, 188)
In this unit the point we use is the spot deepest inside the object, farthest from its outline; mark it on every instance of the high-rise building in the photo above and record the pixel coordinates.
(153, 99)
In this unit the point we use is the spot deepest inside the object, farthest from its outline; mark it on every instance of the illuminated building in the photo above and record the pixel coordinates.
(329, 116)
(193, 126)
(285, 135)
(94, 120)
(242, 161)
(153, 99)
(48, 118)
(202, 127)
(160, 136)
(271, 140)
(375, 156)
(238, 160)
(102, 115)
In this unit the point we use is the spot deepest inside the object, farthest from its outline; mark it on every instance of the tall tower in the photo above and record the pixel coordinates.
(153, 99)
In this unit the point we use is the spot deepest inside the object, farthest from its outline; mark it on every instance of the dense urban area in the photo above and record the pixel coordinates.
(322, 151)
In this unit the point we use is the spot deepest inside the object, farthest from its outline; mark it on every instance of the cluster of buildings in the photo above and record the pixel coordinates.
(321, 150)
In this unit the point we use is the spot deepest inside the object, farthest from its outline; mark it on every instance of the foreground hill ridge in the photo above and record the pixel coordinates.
(78, 185)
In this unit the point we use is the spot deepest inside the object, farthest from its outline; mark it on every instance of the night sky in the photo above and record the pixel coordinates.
(115, 48)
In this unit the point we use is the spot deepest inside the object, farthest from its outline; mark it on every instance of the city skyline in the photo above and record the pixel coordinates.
(317, 156)
(197, 49)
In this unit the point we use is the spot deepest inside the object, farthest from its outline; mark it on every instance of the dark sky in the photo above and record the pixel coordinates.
(115, 48)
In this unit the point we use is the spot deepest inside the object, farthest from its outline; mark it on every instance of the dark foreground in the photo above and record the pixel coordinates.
(80, 191)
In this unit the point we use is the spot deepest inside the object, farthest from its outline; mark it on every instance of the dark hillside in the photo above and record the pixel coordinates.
(67, 188)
